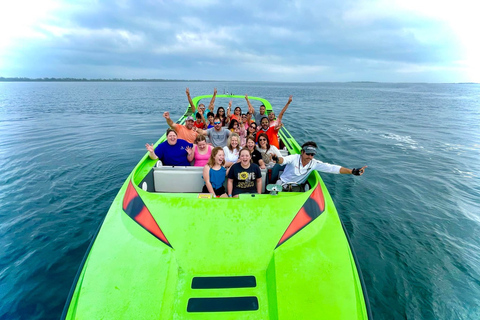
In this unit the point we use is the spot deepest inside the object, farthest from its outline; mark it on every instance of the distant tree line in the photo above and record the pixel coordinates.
(23, 79)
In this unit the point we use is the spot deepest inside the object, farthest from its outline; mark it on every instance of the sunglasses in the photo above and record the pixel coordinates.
(310, 154)
(262, 139)
(217, 122)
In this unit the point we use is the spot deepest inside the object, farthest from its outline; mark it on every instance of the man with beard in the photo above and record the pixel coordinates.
(218, 135)
(272, 131)
(186, 132)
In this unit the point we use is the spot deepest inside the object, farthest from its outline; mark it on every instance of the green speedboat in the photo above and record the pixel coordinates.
(166, 251)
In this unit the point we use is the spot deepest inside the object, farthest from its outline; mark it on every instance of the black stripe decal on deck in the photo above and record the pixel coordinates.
(223, 282)
(222, 304)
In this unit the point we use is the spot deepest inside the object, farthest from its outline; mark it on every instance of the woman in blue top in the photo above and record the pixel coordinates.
(173, 152)
(214, 173)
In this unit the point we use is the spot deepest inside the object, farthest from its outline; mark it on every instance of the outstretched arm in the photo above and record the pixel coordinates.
(211, 106)
(250, 107)
(170, 122)
(280, 116)
(356, 172)
(200, 131)
(192, 106)
(229, 110)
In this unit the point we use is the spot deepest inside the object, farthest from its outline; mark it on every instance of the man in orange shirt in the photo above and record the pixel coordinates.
(186, 132)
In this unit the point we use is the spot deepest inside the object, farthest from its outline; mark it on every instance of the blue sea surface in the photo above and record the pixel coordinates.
(413, 217)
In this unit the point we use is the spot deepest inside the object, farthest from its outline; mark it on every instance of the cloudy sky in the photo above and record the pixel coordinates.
(303, 40)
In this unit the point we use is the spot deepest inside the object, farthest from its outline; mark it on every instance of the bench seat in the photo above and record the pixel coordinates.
(185, 179)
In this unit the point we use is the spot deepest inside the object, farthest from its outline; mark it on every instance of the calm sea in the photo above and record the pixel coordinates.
(413, 218)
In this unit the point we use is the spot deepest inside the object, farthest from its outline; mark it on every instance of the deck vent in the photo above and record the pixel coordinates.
(222, 304)
(223, 282)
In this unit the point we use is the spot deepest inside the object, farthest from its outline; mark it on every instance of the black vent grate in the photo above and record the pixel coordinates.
(223, 282)
(222, 304)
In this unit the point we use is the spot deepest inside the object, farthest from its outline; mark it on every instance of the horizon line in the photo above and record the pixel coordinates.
(69, 79)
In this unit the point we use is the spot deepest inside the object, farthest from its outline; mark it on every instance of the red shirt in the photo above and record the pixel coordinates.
(200, 125)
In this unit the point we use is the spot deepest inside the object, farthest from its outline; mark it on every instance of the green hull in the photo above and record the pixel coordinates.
(172, 270)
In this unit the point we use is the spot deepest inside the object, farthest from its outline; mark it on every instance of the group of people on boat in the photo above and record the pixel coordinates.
(239, 151)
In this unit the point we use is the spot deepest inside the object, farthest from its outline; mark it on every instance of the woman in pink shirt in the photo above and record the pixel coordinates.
(201, 151)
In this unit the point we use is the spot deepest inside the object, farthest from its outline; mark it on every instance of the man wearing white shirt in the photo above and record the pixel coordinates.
(299, 166)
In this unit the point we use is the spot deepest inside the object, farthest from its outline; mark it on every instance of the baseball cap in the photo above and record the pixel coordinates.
(310, 149)
(189, 118)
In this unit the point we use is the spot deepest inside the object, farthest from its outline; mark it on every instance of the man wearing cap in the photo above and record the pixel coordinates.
(201, 106)
(186, 132)
(299, 166)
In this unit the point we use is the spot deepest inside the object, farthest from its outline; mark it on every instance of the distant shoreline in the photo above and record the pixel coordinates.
(21, 79)
(24, 79)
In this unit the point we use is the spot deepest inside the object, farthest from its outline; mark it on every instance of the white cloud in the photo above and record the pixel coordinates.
(299, 40)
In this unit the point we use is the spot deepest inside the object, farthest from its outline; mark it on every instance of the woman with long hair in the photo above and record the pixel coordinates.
(222, 116)
(232, 150)
(214, 173)
(237, 113)
(252, 130)
(267, 150)
(269, 153)
(255, 154)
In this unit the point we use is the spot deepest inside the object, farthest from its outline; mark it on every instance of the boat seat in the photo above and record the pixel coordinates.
(185, 179)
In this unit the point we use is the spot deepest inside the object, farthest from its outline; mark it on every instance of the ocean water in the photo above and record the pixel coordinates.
(413, 217)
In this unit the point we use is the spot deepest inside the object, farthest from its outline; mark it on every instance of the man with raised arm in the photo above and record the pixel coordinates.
(299, 166)
(272, 132)
(258, 116)
(186, 132)
(201, 106)
(218, 135)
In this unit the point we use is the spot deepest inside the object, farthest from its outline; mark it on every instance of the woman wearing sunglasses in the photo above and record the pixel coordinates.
(252, 130)
(267, 150)
(221, 115)
(237, 112)
(299, 166)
